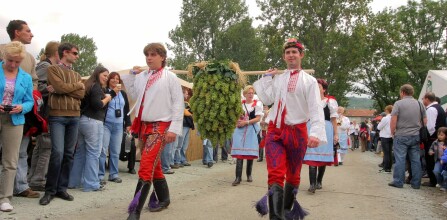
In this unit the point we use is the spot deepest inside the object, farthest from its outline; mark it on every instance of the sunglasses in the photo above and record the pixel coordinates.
(74, 53)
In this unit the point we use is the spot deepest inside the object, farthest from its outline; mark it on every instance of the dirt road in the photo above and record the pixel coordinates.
(353, 191)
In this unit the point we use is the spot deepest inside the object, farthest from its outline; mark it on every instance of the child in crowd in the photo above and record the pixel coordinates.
(438, 149)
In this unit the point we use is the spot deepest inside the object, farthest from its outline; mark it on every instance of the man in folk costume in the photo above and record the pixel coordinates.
(158, 119)
(295, 97)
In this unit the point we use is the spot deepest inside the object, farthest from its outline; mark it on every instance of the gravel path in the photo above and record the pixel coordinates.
(353, 191)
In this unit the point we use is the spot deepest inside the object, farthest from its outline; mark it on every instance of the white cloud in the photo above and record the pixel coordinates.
(120, 29)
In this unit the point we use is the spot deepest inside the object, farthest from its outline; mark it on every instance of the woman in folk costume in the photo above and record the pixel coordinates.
(245, 139)
(159, 118)
(295, 97)
(343, 139)
(320, 157)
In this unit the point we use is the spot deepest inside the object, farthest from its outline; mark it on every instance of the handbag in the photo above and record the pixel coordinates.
(423, 132)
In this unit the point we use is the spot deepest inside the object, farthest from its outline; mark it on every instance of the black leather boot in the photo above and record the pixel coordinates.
(249, 169)
(239, 166)
(276, 202)
(145, 186)
(312, 178)
(321, 170)
(162, 191)
(288, 197)
(261, 155)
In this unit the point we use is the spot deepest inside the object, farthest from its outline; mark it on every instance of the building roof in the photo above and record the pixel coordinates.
(360, 112)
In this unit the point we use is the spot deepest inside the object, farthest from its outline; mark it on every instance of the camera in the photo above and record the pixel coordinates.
(117, 113)
(7, 108)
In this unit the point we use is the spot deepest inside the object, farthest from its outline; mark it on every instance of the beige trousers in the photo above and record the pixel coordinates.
(10, 137)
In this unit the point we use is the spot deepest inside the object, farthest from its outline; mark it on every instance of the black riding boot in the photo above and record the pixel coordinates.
(321, 170)
(261, 155)
(145, 186)
(312, 178)
(288, 197)
(276, 202)
(249, 169)
(239, 166)
(162, 191)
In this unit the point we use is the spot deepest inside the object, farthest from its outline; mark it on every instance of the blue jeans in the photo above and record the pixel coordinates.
(113, 135)
(182, 146)
(64, 134)
(402, 146)
(207, 151)
(21, 181)
(86, 158)
(167, 156)
(441, 176)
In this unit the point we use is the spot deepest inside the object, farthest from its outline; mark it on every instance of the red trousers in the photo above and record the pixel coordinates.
(154, 142)
(285, 149)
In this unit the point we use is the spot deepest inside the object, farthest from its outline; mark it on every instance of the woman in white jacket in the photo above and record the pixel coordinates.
(343, 126)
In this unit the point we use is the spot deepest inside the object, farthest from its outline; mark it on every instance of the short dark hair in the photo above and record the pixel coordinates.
(65, 46)
(157, 48)
(323, 84)
(407, 89)
(430, 96)
(13, 26)
(292, 42)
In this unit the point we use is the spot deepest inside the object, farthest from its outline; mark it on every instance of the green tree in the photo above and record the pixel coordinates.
(87, 57)
(422, 26)
(325, 28)
(400, 46)
(241, 43)
(201, 23)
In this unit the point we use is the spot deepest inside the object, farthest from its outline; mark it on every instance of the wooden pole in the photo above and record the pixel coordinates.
(180, 72)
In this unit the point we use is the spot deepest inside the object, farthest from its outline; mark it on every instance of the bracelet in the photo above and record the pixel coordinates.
(133, 72)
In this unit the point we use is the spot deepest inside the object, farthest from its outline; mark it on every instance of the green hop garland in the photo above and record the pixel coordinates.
(216, 100)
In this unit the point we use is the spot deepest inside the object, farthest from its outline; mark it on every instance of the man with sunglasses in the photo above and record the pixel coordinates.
(64, 104)
(295, 97)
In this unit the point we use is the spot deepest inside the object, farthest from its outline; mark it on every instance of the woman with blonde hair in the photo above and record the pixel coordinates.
(245, 138)
(16, 97)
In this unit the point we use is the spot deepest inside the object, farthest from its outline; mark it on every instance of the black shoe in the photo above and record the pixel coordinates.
(380, 165)
(318, 186)
(341, 163)
(210, 164)
(236, 182)
(102, 182)
(132, 171)
(64, 195)
(46, 199)
(116, 180)
(260, 160)
(394, 185)
(38, 188)
(186, 164)
(311, 189)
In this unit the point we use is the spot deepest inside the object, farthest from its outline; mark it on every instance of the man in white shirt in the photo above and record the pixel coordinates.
(158, 119)
(295, 97)
(435, 119)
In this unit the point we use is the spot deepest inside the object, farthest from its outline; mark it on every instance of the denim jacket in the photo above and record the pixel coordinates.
(23, 94)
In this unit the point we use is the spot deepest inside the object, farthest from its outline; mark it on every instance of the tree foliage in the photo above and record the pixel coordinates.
(400, 46)
(325, 28)
(215, 30)
(87, 57)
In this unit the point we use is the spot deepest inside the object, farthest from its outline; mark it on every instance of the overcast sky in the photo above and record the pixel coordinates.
(120, 29)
